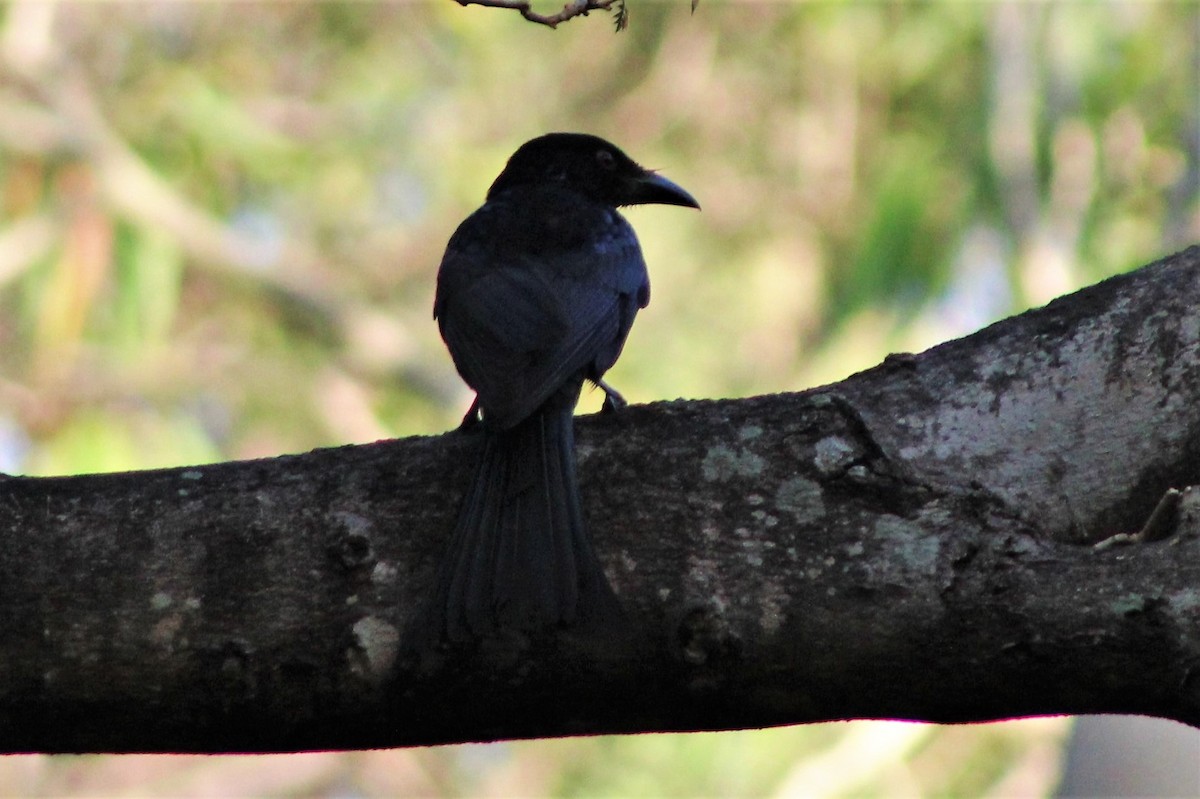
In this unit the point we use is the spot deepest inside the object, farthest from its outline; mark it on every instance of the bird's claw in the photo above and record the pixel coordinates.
(472, 419)
(613, 401)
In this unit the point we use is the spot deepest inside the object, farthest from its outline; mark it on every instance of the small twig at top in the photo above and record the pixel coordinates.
(574, 8)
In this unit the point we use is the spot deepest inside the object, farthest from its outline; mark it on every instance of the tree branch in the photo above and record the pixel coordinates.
(574, 8)
(913, 542)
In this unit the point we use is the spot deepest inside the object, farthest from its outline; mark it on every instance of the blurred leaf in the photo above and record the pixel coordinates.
(79, 270)
(218, 123)
(149, 276)
(97, 441)
(903, 247)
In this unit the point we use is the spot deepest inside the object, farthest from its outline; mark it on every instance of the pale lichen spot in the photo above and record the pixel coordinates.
(703, 574)
(383, 573)
(771, 600)
(1185, 600)
(750, 432)
(800, 497)
(583, 452)
(934, 516)
(722, 463)
(353, 522)
(379, 642)
(191, 474)
(1128, 604)
(162, 634)
(833, 455)
(916, 549)
(160, 601)
(764, 518)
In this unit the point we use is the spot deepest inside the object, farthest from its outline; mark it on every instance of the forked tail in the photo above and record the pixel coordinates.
(520, 557)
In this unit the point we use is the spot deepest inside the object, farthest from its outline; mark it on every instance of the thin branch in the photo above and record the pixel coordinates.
(575, 8)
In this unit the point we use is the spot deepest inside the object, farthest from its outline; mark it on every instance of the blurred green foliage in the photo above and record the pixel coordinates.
(220, 224)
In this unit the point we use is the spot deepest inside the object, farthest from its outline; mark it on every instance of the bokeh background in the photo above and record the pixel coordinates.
(220, 226)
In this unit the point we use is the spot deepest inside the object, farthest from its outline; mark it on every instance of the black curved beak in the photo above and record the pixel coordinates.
(651, 188)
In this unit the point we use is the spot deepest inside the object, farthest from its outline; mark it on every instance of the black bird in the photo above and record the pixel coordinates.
(536, 294)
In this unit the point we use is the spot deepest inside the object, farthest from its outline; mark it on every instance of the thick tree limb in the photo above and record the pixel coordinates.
(916, 542)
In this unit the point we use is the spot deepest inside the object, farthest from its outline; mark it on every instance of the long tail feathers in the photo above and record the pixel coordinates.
(520, 557)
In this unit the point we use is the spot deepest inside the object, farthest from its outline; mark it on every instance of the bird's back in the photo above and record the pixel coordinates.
(537, 290)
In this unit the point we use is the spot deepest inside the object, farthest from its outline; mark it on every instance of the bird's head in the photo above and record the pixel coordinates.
(591, 166)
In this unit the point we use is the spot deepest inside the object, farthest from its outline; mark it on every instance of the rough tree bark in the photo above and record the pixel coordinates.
(918, 541)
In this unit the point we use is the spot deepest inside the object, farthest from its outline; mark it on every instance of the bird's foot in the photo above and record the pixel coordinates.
(472, 419)
(613, 401)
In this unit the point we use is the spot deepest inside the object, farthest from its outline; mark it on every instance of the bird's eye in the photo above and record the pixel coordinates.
(605, 159)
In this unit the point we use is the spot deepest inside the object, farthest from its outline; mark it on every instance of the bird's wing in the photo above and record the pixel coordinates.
(499, 327)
